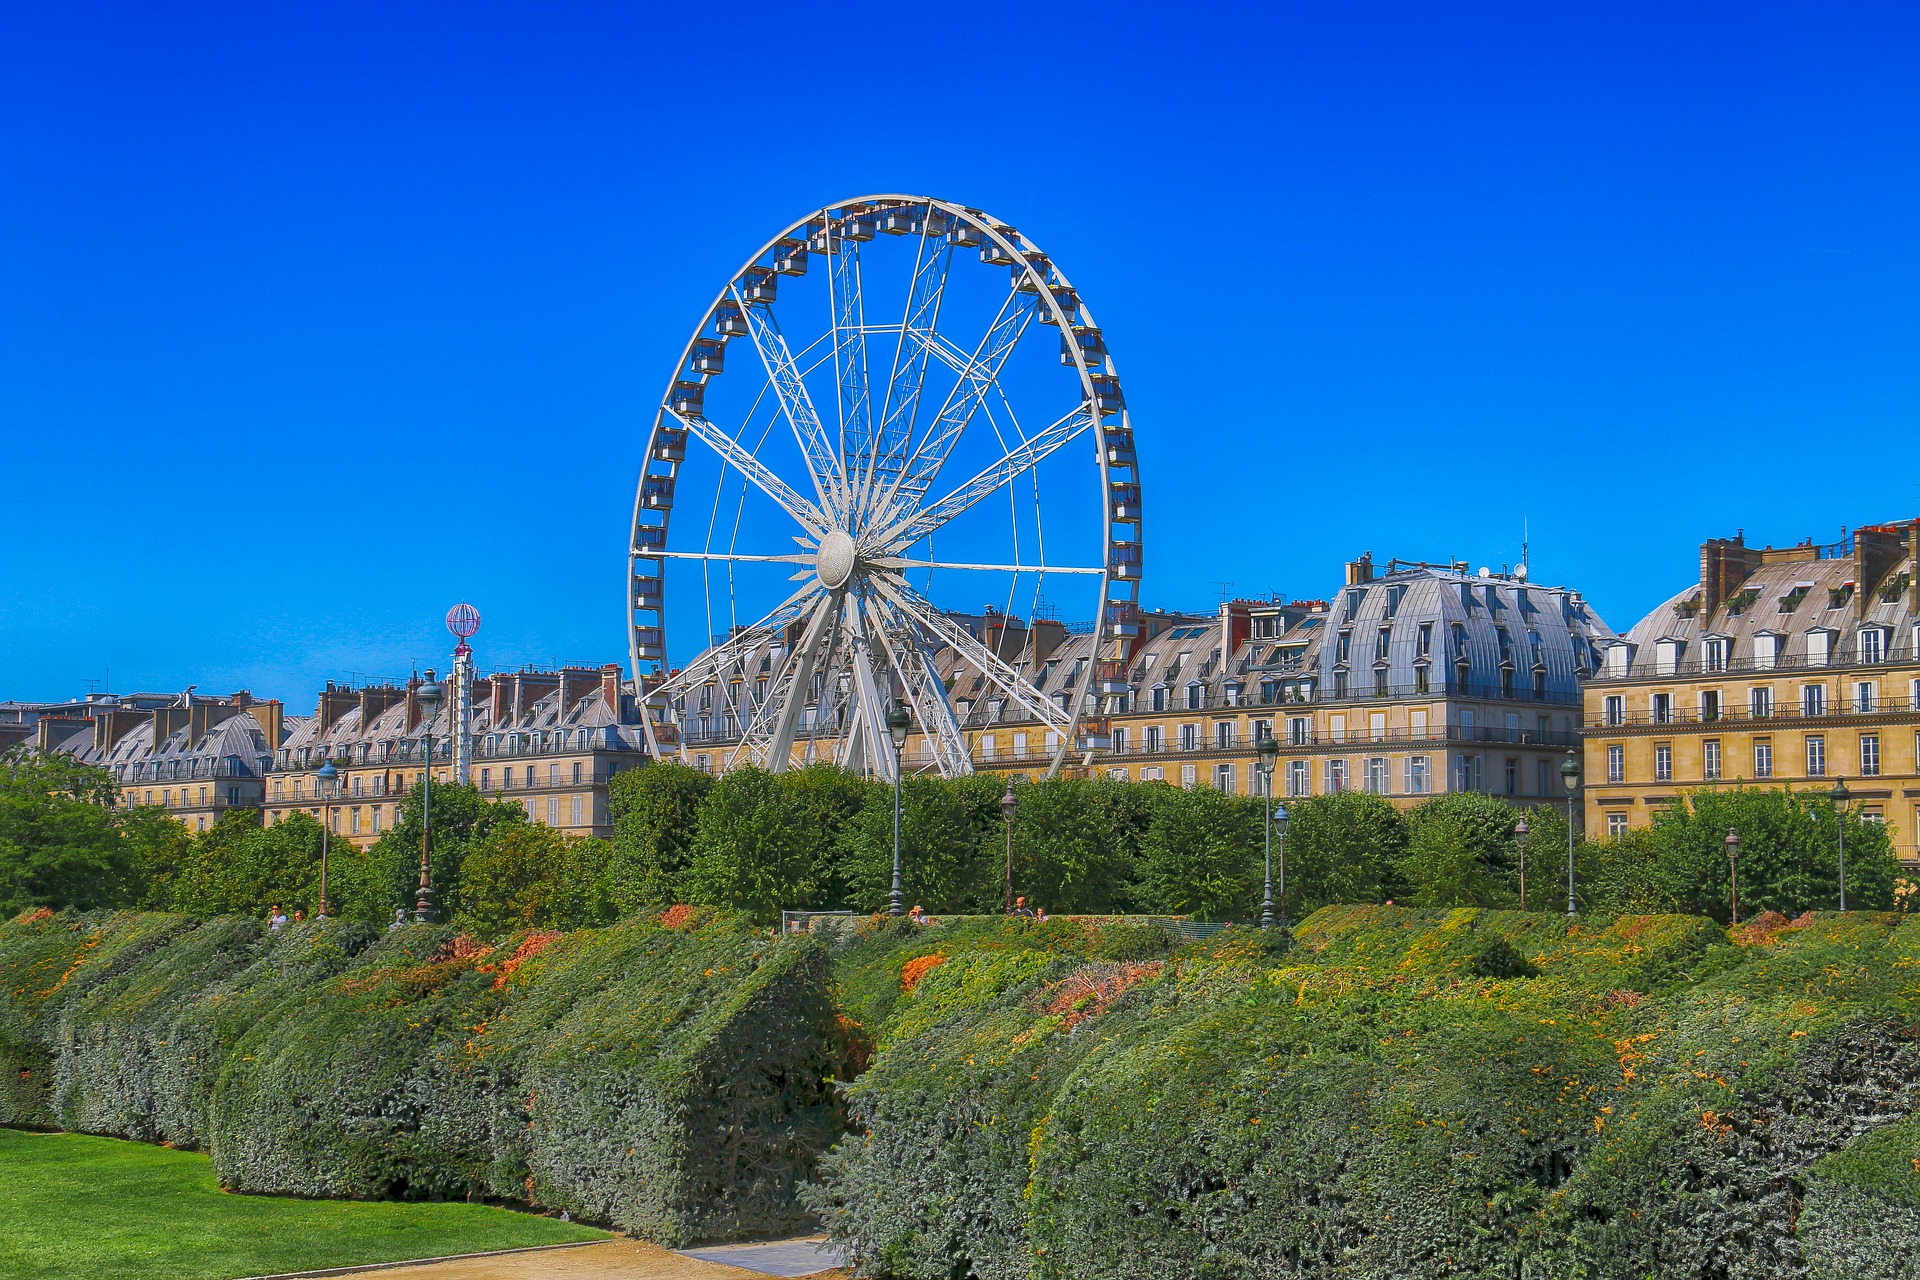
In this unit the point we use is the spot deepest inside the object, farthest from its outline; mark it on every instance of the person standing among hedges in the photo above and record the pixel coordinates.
(276, 918)
(1020, 908)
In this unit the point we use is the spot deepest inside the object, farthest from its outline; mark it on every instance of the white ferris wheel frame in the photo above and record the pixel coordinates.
(862, 513)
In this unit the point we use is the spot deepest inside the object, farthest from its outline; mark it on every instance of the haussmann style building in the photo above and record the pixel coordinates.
(1779, 666)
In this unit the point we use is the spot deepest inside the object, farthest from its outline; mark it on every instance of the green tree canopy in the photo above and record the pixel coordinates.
(521, 875)
(1202, 854)
(1460, 852)
(656, 814)
(767, 842)
(1343, 847)
(62, 845)
(950, 845)
(461, 817)
(1789, 853)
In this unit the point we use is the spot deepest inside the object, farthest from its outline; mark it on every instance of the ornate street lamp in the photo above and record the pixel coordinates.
(329, 779)
(1269, 753)
(1840, 795)
(1570, 777)
(1733, 872)
(1280, 820)
(429, 696)
(1008, 805)
(897, 723)
(1520, 840)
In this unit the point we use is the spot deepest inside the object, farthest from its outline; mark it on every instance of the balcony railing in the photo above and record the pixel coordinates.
(1654, 669)
(1836, 709)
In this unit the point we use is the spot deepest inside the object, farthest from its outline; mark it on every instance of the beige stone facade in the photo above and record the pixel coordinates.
(1793, 666)
(550, 740)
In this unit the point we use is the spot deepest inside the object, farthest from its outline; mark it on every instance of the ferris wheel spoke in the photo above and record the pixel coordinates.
(989, 480)
(868, 732)
(737, 456)
(974, 653)
(918, 332)
(849, 334)
(795, 402)
(977, 375)
(717, 659)
(901, 562)
(926, 693)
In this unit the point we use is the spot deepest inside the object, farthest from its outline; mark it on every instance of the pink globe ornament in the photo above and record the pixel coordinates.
(463, 620)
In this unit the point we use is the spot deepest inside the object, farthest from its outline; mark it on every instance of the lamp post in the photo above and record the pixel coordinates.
(1280, 820)
(1269, 752)
(1733, 872)
(1840, 795)
(1520, 840)
(1570, 776)
(329, 780)
(897, 722)
(1007, 807)
(429, 696)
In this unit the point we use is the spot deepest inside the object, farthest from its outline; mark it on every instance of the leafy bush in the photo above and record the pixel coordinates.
(589, 1071)
(1789, 853)
(1344, 847)
(1201, 855)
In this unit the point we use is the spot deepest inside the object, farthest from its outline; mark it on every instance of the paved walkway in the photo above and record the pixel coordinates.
(806, 1256)
(624, 1260)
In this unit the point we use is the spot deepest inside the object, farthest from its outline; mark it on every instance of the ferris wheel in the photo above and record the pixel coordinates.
(881, 483)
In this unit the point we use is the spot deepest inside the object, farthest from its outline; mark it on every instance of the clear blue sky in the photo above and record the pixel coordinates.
(317, 318)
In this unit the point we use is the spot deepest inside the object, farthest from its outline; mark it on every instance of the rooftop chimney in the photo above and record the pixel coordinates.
(1725, 563)
(1360, 570)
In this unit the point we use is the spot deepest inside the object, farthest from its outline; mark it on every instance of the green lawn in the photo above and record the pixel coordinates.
(77, 1207)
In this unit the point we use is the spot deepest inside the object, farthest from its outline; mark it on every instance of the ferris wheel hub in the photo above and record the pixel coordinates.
(834, 562)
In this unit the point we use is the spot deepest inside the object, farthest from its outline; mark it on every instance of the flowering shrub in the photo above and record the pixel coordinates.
(915, 969)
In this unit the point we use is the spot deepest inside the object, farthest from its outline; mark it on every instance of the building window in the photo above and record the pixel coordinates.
(1663, 763)
(1662, 708)
(1813, 700)
(1760, 703)
(353, 820)
(1223, 778)
(1154, 733)
(1299, 731)
(1339, 684)
(1469, 774)
(1417, 775)
(1420, 679)
(1153, 773)
(1869, 755)
(1713, 655)
(1616, 825)
(1816, 755)
(1223, 735)
(576, 811)
(1193, 697)
(1189, 737)
(1864, 694)
(1375, 779)
(1613, 709)
(1616, 763)
(1710, 705)
(1119, 742)
(1189, 776)
(1513, 776)
(1762, 758)
(1336, 776)
(1298, 777)
(576, 773)
(1873, 645)
(1710, 759)
(1380, 682)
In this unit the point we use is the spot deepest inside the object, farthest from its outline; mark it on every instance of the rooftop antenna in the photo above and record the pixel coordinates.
(1226, 591)
(1522, 575)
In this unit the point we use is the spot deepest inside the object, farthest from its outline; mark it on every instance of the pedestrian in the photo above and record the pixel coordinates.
(399, 919)
(276, 918)
(299, 915)
(1020, 908)
(1039, 915)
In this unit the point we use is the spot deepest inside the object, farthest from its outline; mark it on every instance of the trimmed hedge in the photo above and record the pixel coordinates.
(668, 1075)
(1649, 1102)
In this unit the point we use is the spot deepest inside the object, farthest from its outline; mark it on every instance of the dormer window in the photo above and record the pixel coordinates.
(1766, 650)
(1343, 648)
(1355, 597)
(1383, 644)
(1713, 653)
(1791, 601)
(1819, 647)
(1395, 594)
(1872, 644)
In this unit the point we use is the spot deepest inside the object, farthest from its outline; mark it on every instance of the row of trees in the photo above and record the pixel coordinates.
(821, 838)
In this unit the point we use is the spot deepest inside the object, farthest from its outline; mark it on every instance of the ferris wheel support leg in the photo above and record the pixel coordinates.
(780, 751)
(871, 709)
